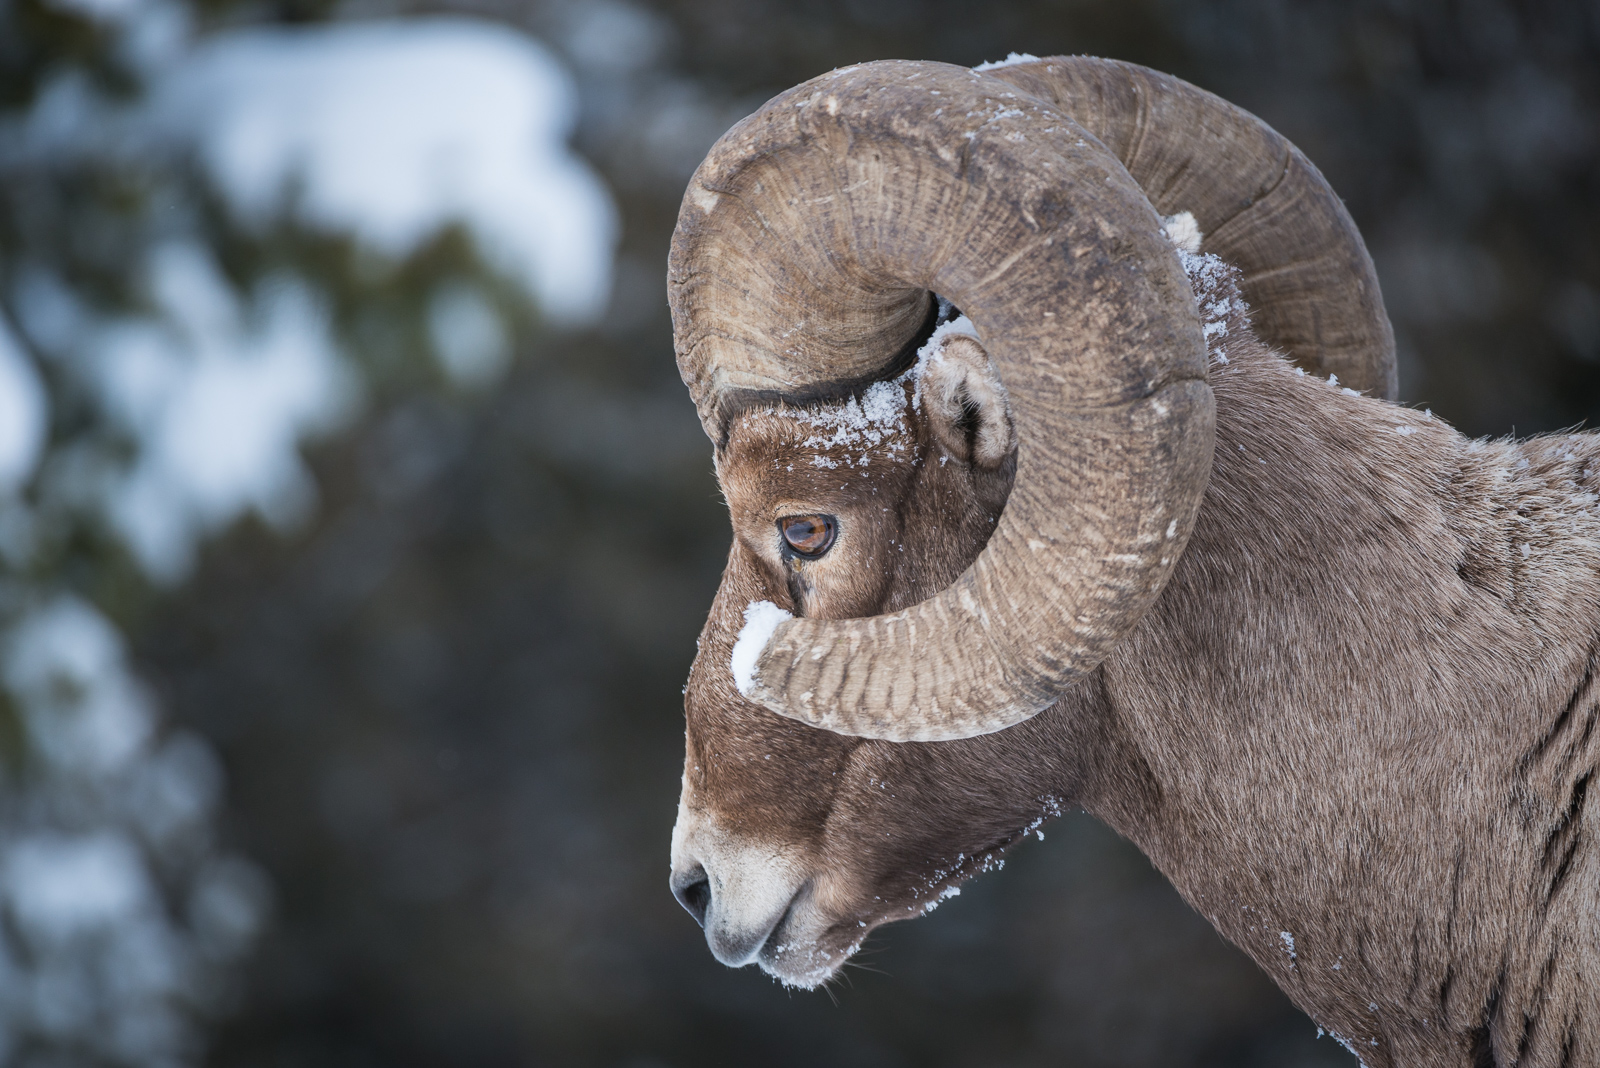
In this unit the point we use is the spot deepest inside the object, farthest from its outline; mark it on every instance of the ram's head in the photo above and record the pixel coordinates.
(957, 382)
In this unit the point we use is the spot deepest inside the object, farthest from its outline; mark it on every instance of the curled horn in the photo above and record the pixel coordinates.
(1262, 206)
(807, 246)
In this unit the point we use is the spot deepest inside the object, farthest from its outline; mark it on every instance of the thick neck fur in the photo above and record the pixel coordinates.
(1357, 729)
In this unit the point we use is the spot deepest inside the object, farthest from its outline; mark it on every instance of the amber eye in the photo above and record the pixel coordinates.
(808, 535)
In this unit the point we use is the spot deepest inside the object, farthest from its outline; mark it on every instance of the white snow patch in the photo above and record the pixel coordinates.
(944, 895)
(1346, 1043)
(1216, 295)
(878, 415)
(23, 412)
(83, 708)
(877, 418)
(860, 422)
(1051, 810)
(1011, 60)
(391, 130)
(1183, 231)
(941, 889)
(761, 618)
(935, 343)
(932, 351)
(61, 886)
(218, 397)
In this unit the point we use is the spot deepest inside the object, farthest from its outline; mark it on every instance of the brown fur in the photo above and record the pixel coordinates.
(1361, 714)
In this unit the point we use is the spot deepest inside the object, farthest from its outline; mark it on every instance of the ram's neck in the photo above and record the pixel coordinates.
(1366, 704)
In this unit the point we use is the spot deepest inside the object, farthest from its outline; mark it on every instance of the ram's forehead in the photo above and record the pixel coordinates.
(875, 425)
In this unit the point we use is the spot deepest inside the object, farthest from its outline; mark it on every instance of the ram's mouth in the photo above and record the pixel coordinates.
(805, 949)
(795, 958)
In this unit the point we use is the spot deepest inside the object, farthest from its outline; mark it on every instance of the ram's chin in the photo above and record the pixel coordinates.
(798, 958)
(806, 950)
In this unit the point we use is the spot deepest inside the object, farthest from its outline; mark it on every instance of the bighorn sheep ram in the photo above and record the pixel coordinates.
(1095, 543)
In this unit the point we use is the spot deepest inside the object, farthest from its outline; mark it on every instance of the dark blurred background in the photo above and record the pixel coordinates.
(370, 756)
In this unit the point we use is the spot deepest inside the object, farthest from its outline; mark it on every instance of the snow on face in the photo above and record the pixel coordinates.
(878, 417)
(856, 426)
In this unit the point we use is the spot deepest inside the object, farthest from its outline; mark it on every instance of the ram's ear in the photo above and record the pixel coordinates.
(966, 403)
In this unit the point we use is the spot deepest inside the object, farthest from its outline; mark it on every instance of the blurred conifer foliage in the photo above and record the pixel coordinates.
(217, 240)
(356, 536)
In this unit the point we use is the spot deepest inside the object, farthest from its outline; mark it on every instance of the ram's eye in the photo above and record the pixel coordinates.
(808, 535)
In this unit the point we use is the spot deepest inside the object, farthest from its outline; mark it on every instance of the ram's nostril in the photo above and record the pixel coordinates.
(695, 897)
